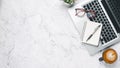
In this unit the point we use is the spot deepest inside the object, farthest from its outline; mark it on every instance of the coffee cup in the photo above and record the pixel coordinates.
(109, 56)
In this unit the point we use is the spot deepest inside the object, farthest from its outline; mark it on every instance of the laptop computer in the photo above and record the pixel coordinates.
(107, 13)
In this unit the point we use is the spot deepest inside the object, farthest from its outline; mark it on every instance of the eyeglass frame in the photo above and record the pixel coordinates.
(93, 13)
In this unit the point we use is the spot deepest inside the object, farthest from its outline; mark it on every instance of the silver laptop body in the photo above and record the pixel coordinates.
(111, 24)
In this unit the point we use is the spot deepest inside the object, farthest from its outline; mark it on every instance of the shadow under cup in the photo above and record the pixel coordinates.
(109, 56)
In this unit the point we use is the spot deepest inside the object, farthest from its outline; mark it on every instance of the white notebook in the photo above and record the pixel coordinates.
(89, 29)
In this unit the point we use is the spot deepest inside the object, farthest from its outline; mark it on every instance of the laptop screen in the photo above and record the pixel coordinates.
(113, 9)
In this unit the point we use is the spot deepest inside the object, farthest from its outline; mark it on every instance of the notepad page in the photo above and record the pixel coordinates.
(89, 29)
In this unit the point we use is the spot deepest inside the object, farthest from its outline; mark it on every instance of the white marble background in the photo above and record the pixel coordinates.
(40, 34)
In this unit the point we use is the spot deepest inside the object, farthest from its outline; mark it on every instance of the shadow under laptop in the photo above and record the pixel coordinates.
(0, 4)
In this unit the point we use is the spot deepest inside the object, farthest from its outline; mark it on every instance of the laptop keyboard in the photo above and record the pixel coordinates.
(107, 33)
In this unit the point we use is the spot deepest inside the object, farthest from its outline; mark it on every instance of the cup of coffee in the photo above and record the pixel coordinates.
(109, 56)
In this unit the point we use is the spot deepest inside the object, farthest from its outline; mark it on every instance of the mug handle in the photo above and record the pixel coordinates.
(101, 59)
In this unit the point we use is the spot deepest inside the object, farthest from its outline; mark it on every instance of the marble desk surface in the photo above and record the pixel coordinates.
(41, 34)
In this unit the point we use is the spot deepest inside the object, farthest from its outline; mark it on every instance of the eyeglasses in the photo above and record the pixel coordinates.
(80, 12)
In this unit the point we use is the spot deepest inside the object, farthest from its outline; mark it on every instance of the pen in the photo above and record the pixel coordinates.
(93, 32)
